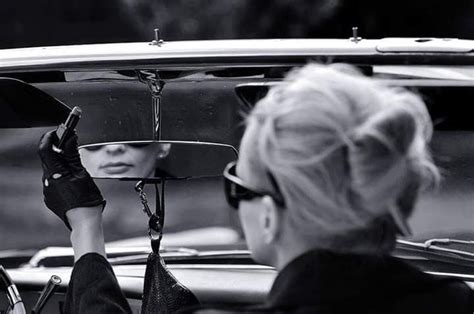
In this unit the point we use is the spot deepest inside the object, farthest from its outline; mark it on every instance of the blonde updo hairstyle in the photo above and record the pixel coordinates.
(347, 153)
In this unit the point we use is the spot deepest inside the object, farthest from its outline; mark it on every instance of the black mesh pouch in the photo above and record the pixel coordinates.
(162, 292)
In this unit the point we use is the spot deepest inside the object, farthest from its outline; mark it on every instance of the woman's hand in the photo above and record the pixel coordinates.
(70, 193)
(66, 183)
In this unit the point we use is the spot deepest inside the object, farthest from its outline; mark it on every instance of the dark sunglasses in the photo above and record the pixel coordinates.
(135, 145)
(236, 190)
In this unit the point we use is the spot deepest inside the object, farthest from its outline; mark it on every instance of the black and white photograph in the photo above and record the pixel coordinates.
(237, 156)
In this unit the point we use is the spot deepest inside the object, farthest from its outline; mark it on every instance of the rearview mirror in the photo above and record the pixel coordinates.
(135, 160)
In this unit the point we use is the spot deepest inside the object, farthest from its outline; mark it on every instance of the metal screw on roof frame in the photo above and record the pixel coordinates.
(355, 38)
(157, 41)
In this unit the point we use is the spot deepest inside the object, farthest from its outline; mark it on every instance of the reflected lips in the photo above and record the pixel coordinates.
(116, 167)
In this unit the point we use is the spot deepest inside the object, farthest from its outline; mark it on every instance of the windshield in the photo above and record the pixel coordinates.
(203, 107)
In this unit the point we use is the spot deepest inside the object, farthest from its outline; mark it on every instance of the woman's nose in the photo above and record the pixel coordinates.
(115, 149)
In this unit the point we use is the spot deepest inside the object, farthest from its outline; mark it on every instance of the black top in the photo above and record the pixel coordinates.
(93, 288)
(327, 282)
(316, 282)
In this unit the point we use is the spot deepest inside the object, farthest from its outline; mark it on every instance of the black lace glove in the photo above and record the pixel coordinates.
(66, 183)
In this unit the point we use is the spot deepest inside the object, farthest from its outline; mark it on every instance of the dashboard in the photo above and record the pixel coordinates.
(227, 285)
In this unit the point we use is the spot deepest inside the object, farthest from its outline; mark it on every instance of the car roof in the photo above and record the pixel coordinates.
(187, 53)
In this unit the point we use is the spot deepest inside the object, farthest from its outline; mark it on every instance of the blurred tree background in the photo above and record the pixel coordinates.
(27, 23)
(52, 22)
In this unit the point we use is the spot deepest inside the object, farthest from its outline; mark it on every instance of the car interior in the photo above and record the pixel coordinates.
(193, 118)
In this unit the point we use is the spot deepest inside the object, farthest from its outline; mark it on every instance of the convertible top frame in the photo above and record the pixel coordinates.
(198, 54)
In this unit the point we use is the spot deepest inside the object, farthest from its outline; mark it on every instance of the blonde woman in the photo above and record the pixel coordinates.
(330, 167)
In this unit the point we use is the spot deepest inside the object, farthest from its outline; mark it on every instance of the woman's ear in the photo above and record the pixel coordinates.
(271, 220)
(163, 150)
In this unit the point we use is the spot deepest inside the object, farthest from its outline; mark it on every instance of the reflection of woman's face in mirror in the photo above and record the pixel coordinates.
(123, 160)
